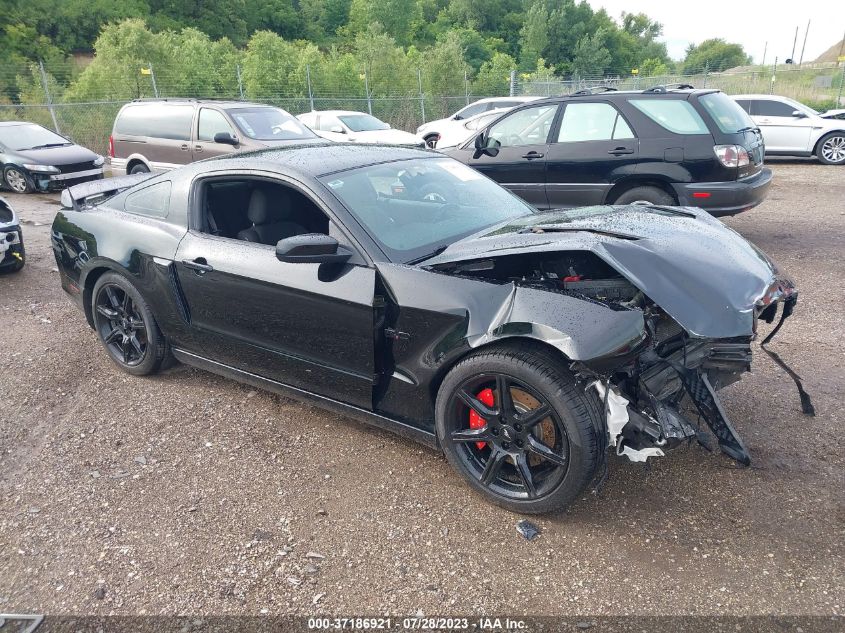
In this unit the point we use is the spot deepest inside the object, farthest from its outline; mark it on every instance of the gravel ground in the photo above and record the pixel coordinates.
(188, 493)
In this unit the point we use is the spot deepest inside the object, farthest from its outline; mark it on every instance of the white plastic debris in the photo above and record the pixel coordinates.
(639, 455)
(617, 412)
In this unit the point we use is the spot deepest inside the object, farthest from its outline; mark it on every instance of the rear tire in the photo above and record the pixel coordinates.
(832, 149)
(140, 168)
(653, 195)
(126, 326)
(518, 459)
(431, 140)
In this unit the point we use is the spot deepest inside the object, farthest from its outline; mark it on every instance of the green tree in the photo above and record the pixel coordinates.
(494, 77)
(397, 17)
(714, 54)
(591, 56)
(534, 35)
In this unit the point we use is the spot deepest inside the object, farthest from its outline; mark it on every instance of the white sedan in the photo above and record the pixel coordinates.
(790, 128)
(433, 131)
(454, 135)
(355, 127)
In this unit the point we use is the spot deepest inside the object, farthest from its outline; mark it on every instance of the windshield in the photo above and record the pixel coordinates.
(412, 208)
(29, 136)
(269, 124)
(726, 112)
(363, 123)
(799, 106)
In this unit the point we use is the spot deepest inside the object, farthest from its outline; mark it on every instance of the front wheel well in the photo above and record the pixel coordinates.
(90, 281)
(513, 343)
(626, 185)
(824, 136)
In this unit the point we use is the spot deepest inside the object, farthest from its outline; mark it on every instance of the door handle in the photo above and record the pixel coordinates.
(619, 151)
(532, 155)
(184, 147)
(197, 148)
(199, 265)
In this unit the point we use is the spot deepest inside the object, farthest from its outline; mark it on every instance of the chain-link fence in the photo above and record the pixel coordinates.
(47, 97)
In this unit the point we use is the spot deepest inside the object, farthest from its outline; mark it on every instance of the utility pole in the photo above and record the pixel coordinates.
(794, 42)
(765, 48)
(49, 98)
(804, 45)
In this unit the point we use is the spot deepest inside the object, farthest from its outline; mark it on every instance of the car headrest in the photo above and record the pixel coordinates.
(264, 209)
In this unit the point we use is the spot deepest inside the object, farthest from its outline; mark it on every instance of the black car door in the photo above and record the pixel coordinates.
(592, 147)
(517, 147)
(302, 324)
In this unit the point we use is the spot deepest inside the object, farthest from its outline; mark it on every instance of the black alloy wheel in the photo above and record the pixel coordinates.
(126, 326)
(121, 327)
(522, 450)
(518, 429)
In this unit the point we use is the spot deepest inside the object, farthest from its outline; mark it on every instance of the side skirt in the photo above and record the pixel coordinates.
(351, 411)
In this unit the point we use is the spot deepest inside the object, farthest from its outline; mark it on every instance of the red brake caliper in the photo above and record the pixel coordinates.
(475, 420)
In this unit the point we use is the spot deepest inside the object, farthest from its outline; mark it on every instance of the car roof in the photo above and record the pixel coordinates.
(336, 112)
(489, 99)
(654, 91)
(221, 103)
(15, 123)
(760, 96)
(318, 158)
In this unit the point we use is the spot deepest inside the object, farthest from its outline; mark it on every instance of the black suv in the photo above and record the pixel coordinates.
(664, 146)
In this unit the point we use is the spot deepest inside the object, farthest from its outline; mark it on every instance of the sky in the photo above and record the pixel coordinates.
(751, 23)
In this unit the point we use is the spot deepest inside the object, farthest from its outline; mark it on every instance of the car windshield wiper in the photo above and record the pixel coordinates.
(46, 145)
(750, 128)
(539, 228)
(434, 253)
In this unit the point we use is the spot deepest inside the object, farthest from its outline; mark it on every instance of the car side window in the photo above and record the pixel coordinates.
(592, 122)
(472, 110)
(529, 126)
(745, 104)
(152, 201)
(765, 107)
(328, 124)
(673, 114)
(210, 123)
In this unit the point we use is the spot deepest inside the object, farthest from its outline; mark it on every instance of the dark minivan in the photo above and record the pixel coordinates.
(664, 146)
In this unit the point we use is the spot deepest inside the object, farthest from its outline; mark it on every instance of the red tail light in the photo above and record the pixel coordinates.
(111, 146)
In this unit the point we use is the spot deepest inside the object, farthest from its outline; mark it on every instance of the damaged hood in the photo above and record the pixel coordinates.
(702, 273)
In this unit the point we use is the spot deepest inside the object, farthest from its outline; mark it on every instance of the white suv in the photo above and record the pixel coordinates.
(792, 129)
(433, 130)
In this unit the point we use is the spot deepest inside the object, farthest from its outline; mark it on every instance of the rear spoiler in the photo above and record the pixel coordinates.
(88, 194)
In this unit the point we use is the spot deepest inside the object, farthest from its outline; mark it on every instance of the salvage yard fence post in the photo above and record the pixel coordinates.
(513, 83)
(422, 96)
(308, 81)
(241, 83)
(47, 97)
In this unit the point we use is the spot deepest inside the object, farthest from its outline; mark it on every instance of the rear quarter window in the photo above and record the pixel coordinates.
(675, 115)
(152, 201)
(726, 112)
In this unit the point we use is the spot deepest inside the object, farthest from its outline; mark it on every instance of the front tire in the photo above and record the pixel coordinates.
(652, 195)
(533, 450)
(126, 326)
(18, 180)
(832, 149)
(140, 168)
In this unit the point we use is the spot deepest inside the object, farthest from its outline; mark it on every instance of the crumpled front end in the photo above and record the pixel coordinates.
(675, 299)
(11, 238)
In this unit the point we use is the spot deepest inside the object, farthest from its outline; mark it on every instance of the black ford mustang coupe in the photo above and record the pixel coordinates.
(523, 344)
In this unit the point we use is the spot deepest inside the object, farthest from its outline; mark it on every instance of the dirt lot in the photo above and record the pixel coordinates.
(186, 493)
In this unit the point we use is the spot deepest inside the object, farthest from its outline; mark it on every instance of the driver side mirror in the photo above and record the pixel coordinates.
(226, 138)
(311, 248)
(481, 146)
(337, 129)
(799, 115)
